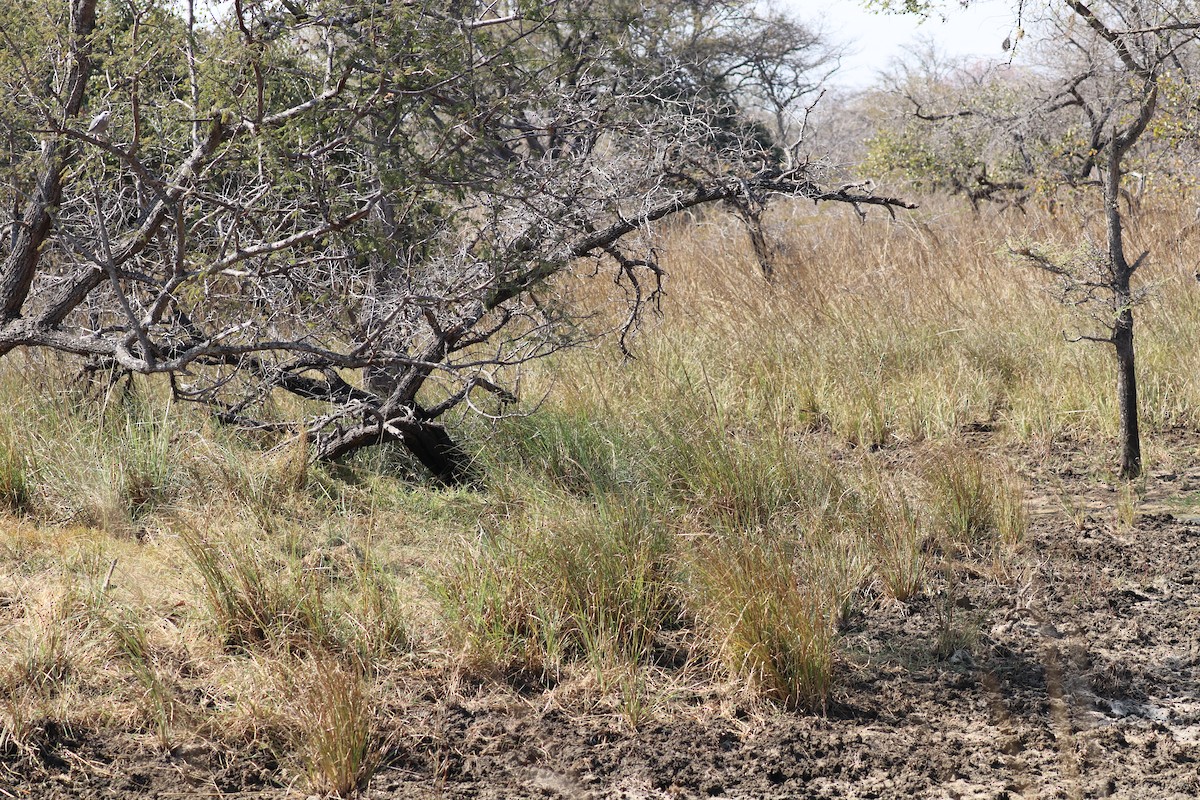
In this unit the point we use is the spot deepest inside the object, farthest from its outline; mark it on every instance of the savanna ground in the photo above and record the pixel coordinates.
(854, 534)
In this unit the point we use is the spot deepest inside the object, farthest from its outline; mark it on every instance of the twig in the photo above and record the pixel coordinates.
(108, 577)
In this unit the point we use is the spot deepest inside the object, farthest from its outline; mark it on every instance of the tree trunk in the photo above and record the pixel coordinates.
(18, 272)
(751, 215)
(763, 251)
(1121, 275)
(429, 443)
(441, 455)
(1131, 445)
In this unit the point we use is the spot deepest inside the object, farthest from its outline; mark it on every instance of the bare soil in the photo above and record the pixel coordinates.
(1076, 677)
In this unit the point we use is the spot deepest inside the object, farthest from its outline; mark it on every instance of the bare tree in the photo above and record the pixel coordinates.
(1080, 126)
(363, 205)
(776, 68)
(1120, 53)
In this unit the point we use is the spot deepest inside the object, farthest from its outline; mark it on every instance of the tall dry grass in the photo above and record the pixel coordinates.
(777, 458)
(904, 330)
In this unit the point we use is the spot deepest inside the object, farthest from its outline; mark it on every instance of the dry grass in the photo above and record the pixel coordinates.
(768, 623)
(333, 728)
(776, 459)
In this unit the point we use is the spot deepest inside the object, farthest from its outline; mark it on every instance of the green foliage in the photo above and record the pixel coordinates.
(955, 140)
(595, 589)
(920, 7)
(1178, 110)
(974, 131)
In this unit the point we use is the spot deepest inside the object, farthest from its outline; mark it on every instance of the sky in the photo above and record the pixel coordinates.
(873, 40)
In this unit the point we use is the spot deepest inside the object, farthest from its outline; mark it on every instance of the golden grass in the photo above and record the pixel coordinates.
(776, 457)
(892, 332)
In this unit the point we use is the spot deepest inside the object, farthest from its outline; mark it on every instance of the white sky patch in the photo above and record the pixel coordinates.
(874, 40)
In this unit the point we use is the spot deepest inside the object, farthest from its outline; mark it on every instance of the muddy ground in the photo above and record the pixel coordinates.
(1077, 677)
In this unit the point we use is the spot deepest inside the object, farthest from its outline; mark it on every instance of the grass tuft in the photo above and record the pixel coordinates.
(334, 733)
(16, 492)
(895, 536)
(975, 503)
(595, 588)
(770, 626)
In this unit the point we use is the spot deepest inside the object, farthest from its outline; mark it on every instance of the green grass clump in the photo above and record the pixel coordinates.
(760, 544)
(16, 492)
(594, 588)
(745, 482)
(573, 452)
(259, 599)
(975, 503)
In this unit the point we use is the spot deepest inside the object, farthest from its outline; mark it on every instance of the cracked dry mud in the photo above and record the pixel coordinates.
(1081, 681)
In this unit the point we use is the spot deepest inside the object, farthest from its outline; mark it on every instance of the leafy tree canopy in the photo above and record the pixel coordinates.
(365, 203)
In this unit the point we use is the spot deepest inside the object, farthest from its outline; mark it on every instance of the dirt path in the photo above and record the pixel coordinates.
(1077, 678)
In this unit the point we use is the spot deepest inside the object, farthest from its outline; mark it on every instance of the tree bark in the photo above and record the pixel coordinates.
(440, 454)
(751, 215)
(1122, 274)
(1127, 402)
(429, 443)
(17, 273)
(763, 251)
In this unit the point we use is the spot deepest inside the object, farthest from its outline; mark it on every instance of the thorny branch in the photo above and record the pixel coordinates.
(369, 211)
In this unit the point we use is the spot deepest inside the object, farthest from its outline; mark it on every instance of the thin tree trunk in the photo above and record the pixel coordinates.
(1127, 402)
(763, 251)
(18, 272)
(1122, 335)
(751, 216)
